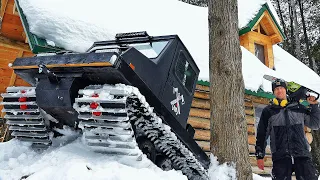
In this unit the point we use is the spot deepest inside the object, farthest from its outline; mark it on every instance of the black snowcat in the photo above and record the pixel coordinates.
(129, 95)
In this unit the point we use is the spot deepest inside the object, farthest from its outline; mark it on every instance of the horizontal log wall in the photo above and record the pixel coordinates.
(9, 51)
(199, 118)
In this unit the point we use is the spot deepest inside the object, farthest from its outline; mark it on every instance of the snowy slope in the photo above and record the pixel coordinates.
(68, 159)
(74, 161)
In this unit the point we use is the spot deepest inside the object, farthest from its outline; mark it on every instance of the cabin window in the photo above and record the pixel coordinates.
(259, 52)
(185, 73)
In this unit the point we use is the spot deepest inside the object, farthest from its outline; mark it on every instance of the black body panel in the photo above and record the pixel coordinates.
(156, 78)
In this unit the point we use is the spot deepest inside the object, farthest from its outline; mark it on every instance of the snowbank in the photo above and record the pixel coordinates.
(68, 159)
(74, 161)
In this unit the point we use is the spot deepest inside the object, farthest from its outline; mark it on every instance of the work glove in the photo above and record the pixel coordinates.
(260, 163)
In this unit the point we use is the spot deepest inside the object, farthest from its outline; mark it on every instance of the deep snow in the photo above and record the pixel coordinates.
(69, 159)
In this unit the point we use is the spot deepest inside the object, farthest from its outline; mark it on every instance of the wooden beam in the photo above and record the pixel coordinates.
(203, 135)
(205, 145)
(252, 139)
(257, 23)
(249, 111)
(258, 100)
(3, 8)
(251, 129)
(200, 103)
(8, 43)
(202, 88)
(252, 150)
(195, 112)
(250, 120)
(201, 95)
(199, 123)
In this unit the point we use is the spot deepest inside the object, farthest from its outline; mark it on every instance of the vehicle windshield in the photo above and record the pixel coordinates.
(150, 50)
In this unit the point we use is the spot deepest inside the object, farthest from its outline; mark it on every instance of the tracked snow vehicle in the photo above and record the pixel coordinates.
(131, 93)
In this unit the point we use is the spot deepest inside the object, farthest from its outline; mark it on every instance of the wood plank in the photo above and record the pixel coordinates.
(267, 161)
(252, 149)
(27, 54)
(199, 123)
(256, 170)
(5, 72)
(203, 123)
(201, 95)
(203, 135)
(251, 139)
(10, 7)
(9, 43)
(258, 100)
(12, 19)
(248, 104)
(250, 120)
(202, 88)
(3, 8)
(12, 79)
(205, 145)
(12, 31)
(8, 56)
(202, 113)
(249, 112)
(251, 129)
(200, 103)
(14, 28)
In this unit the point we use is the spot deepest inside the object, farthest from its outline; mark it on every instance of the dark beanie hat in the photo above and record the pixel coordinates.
(277, 83)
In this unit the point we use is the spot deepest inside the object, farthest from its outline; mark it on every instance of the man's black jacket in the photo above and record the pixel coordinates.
(285, 126)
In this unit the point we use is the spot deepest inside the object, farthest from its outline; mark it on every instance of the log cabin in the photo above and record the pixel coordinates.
(258, 36)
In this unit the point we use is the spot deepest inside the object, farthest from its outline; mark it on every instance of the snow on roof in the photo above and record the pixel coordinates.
(248, 9)
(291, 69)
(76, 29)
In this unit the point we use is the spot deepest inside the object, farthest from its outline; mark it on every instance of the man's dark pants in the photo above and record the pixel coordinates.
(303, 168)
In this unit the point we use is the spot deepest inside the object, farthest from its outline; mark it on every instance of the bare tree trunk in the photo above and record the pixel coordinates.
(315, 151)
(229, 139)
(293, 14)
(312, 63)
(285, 44)
(291, 49)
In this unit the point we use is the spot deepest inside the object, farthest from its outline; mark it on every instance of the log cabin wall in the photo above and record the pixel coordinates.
(13, 44)
(199, 118)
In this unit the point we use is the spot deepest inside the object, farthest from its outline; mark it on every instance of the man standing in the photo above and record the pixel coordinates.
(284, 122)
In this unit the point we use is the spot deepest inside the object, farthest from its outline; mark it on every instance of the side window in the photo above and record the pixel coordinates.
(184, 71)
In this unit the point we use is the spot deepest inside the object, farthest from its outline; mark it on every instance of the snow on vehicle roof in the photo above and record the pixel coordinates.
(60, 23)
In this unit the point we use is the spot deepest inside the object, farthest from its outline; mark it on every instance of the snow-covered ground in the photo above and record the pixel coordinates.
(69, 159)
